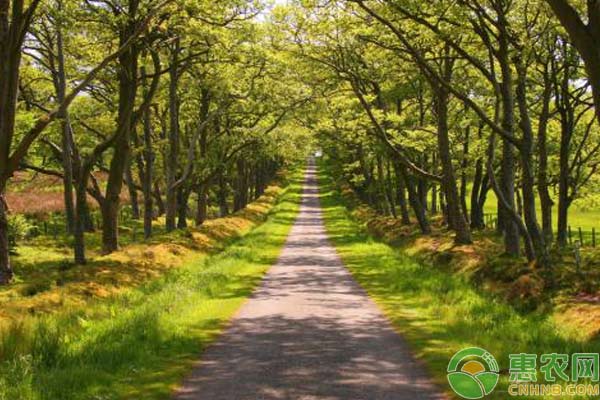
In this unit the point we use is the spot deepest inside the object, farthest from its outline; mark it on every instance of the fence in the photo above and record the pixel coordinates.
(586, 238)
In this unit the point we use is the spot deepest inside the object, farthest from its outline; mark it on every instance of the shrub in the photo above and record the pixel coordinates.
(19, 227)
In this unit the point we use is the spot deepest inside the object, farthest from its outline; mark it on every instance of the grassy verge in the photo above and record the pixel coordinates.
(47, 281)
(140, 343)
(439, 312)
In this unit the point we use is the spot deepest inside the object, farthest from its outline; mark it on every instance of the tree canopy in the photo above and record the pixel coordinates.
(169, 106)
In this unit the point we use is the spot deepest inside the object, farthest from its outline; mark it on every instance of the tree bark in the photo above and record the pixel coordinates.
(546, 202)
(81, 211)
(415, 202)
(381, 191)
(160, 204)
(6, 272)
(463, 174)
(60, 83)
(401, 194)
(527, 172)
(389, 185)
(202, 204)
(510, 229)
(173, 146)
(456, 219)
(241, 191)
(477, 214)
(128, 83)
(133, 194)
(222, 194)
(147, 169)
(183, 196)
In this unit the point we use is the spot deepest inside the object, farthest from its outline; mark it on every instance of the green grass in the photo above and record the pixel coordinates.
(579, 217)
(582, 214)
(438, 312)
(140, 344)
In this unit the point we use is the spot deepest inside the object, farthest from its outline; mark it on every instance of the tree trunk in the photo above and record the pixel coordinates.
(401, 194)
(456, 219)
(182, 207)
(6, 272)
(381, 191)
(173, 146)
(546, 202)
(512, 245)
(519, 202)
(160, 204)
(259, 183)
(463, 174)
(81, 211)
(563, 188)
(477, 214)
(110, 226)
(240, 197)
(202, 204)
(88, 222)
(133, 194)
(434, 199)
(147, 175)
(443, 206)
(562, 237)
(422, 185)
(528, 175)
(567, 126)
(128, 82)
(222, 195)
(415, 202)
(67, 164)
(389, 185)
(60, 83)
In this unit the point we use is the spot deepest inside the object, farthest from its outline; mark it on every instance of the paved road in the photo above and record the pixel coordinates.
(309, 332)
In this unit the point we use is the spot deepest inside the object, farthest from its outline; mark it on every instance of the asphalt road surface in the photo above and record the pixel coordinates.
(309, 332)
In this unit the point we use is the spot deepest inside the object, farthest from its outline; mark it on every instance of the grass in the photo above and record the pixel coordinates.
(439, 312)
(140, 343)
(46, 280)
(583, 214)
(579, 217)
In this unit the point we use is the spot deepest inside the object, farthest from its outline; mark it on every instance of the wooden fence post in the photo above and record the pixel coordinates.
(570, 235)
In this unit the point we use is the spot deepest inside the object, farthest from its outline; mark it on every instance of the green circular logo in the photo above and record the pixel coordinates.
(473, 373)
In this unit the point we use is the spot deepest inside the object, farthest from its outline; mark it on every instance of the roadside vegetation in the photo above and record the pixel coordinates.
(140, 342)
(463, 133)
(469, 132)
(438, 310)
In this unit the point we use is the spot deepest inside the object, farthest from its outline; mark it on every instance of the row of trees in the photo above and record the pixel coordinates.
(424, 106)
(436, 104)
(168, 101)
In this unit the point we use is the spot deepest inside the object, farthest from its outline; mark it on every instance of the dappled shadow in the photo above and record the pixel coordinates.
(279, 357)
(437, 312)
(309, 332)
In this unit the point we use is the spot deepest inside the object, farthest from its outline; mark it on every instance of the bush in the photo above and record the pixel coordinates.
(20, 227)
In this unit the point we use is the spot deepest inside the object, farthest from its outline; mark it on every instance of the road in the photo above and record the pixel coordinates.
(309, 332)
